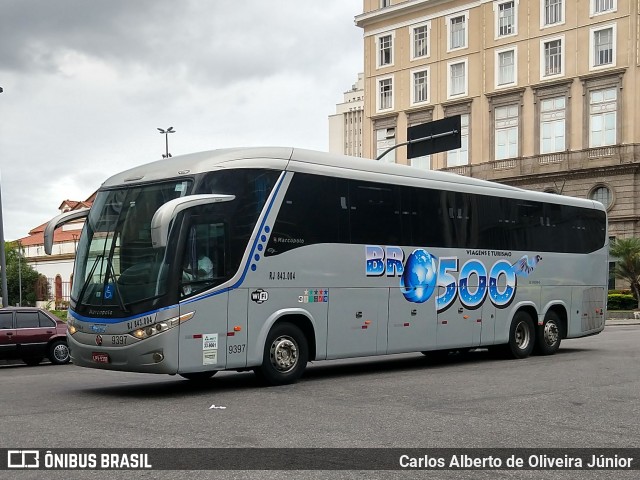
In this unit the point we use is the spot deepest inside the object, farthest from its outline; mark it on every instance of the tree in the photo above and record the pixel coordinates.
(19, 272)
(627, 252)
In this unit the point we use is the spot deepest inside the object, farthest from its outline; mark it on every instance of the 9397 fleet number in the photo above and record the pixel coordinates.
(118, 340)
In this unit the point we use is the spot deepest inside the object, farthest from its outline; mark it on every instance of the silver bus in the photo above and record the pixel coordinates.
(267, 258)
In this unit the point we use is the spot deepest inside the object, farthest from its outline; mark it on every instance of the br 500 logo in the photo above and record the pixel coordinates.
(423, 272)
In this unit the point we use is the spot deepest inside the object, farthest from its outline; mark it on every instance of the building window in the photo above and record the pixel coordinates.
(603, 47)
(552, 125)
(552, 12)
(385, 139)
(458, 78)
(58, 288)
(460, 156)
(418, 117)
(506, 131)
(385, 93)
(602, 117)
(552, 118)
(457, 27)
(420, 90)
(506, 67)
(420, 44)
(602, 6)
(506, 19)
(601, 194)
(385, 50)
(385, 3)
(551, 54)
(422, 162)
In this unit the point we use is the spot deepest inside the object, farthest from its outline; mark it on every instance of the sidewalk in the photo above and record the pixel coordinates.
(626, 317)
(622, 321)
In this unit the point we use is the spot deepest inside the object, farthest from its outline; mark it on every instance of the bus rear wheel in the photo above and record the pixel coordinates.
(285, 355)
(521, 336)
(549, 335)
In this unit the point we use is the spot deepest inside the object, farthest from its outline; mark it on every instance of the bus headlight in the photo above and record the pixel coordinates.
(71, 328)
(160, 327)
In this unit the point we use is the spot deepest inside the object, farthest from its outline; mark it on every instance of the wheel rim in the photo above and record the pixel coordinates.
(522, 336)
(61, 353)
(551, 333)
(284, 354)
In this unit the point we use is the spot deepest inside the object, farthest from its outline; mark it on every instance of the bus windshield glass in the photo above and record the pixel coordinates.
(116, 265)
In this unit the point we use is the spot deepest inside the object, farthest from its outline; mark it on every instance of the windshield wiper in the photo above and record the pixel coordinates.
(112, 274)
(89, 277)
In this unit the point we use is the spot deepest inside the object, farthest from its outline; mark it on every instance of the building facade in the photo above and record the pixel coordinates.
(345, 126)
(57, 267)
(547, 90)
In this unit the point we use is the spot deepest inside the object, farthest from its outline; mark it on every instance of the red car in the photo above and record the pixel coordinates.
(31, 334)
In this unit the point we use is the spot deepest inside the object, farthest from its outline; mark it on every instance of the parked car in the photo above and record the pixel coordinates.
(31, 334)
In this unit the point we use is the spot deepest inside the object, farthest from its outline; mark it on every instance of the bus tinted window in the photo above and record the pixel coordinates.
(374, 213)
(422, 216)
(227, 226)
(314, 210)
(317, 209)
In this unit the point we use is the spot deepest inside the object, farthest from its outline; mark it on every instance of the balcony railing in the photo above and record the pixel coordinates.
(551, 163)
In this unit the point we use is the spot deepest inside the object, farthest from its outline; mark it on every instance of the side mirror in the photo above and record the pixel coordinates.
(164, 216)
(57, 222)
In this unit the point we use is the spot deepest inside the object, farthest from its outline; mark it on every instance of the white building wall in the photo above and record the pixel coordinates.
(345, 126)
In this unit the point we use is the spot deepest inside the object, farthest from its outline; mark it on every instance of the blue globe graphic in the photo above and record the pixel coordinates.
(419, 278)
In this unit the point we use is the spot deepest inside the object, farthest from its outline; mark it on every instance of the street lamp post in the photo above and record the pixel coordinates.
(19, 273)
(166, 137)
(3, 259)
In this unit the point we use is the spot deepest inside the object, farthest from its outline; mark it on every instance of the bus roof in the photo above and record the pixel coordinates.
(310, 161)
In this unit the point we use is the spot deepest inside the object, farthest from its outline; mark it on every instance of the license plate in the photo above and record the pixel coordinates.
(100, 357)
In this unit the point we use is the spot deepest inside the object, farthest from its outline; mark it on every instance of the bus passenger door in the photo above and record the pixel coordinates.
(356, 317)
(412, 326)
(203, 338)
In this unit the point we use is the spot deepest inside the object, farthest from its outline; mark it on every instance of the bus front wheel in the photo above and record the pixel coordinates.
(521, 336)
(285, 355)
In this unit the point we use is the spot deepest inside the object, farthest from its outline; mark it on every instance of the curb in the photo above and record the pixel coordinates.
(621, 321)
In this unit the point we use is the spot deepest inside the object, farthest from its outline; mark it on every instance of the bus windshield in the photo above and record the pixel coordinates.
(116, 264)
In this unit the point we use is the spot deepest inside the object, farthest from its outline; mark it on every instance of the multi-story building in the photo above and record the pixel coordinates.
(547, 89)
(345, 126)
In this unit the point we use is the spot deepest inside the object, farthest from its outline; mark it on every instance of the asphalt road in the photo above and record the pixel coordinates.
(585, 396)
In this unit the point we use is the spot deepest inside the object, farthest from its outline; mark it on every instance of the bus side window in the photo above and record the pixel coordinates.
(204, 259)
(375, 213)
(314, 210)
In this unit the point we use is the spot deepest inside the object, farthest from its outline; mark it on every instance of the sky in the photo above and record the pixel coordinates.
(87, 84)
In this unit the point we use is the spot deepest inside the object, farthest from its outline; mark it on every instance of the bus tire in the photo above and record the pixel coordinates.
(521, 336)
(285, 355)
(549, 335)
(198, 376)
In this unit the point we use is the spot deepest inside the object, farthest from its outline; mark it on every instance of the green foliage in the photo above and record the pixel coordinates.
(624, 291)
(621, 301)
(61, 314)
(18, 272)
(627, 253)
